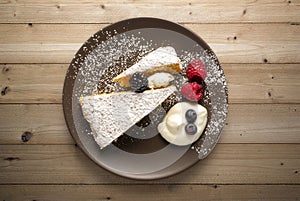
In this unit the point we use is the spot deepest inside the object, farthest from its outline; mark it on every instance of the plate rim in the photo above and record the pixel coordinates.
(68, 116)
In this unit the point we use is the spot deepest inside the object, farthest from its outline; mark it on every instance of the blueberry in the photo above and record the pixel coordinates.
(191, 129)
(191, 115)
(138, 82)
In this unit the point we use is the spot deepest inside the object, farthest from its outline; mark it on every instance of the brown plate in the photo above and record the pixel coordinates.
(141, 153)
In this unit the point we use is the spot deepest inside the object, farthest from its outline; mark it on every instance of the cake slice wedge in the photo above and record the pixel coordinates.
(163, 59)
(110, 115)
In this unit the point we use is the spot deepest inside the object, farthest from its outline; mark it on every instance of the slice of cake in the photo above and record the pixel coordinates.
(110, 115)
(163, 59)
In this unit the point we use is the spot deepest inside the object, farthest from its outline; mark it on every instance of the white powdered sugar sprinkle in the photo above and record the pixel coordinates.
(105, 60)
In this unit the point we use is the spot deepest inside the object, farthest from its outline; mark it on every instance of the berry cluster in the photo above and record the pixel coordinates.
(196, 73)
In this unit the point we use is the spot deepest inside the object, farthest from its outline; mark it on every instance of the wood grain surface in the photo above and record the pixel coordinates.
(258, 155)
(231, 11)
(150, 192)
(228, 163)
(233, 43)
(247, 83)
(246, 123)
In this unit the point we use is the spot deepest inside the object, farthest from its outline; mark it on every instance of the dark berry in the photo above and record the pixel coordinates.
(191, 129)
(141, 89)
(191, 115)
(138, 82)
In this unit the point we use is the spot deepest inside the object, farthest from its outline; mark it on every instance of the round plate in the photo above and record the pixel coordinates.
(141, 153)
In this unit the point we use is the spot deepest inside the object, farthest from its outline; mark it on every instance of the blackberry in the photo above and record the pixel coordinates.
(138, 82)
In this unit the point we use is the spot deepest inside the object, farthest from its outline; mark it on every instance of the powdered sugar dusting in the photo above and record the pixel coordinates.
(105, 60)
(215, 98)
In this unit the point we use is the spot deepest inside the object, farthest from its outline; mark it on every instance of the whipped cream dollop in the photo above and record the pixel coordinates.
(172, 128)
(159, 80)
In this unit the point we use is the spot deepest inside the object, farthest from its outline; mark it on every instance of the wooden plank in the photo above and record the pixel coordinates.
(78, 33)
(233, 43)
(53, 11)
(32, 83)
(245, 124)
(247, 83)
(263, 83)
(45, 122)
(169, 192)
(47, 33)
(262, 124)
(227, 164)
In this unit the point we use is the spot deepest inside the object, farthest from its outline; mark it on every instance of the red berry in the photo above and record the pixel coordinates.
(192, 91)
(196, 71)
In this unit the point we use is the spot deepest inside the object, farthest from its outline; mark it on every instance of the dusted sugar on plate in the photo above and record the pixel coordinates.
(163, 59)
(148, 81)
(110, 115)
(121, 47)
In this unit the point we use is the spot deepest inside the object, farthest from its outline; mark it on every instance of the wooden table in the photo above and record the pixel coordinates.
(258, 155)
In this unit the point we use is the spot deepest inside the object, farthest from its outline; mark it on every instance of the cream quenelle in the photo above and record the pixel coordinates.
(177, 129)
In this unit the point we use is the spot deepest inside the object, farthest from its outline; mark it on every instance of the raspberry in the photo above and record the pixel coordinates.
(196, 71)
(192, 91)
